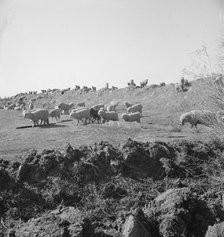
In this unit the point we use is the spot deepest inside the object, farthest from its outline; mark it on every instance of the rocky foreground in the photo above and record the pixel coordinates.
(134, 190)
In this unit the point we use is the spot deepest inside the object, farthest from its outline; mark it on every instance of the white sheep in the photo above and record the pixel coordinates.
(76, 109)
(144, 83)
(131, 117)
(36, 115)
(98, 107)
(80, 114)
(31, 105)
(195, 117)
(112, 106)
(108, 115)
(55, 113)
(135, 108)
(177, 87)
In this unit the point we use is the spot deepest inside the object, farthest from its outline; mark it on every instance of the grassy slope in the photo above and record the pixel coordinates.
(162, 107)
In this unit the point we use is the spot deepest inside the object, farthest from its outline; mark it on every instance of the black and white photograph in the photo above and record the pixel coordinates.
(111, 118)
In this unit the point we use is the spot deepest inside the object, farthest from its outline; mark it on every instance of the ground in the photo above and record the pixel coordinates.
(162, 108)
(118, 178)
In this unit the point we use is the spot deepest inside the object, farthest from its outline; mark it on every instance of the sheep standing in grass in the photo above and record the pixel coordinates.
(127, 105)
(112, 107)
(80, 115)
(195, 117)
(135, 108)
(81, 104)
(35, 116)
(98, 107)
(94, 115)
(144, 83)
(55, 113)
(31, 105)
(65, 107)
(108, 115)
(131, 117)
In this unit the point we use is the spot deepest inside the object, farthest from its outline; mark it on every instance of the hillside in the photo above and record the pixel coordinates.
(162, 107)
(116, 179)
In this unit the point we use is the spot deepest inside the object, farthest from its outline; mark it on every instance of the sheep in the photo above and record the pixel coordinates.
(76, 109)
(94, 114)
(135, 108)
(195, 117)
(127, 105)
(18, 108)
(65, 107)
(82, 104)
(108, 115)
(55, 113)
(80, 114)
(131, 117)
(179, 87)
(31, 105)
(36, 115)
(143, 83)
(98, 107)
(112, 106)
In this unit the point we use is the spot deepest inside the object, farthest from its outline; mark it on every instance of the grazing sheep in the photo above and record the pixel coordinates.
(76, 109)
(127, 105)
(179, 87)
(36, 115)
(135, 108)
(131, 117)
(80, 114)
(31, 105)
(55, 113)
(65, 107)
(108, 115)
(98, 107)
(93, 89)
(196, 117)
(82, 104)
(111, 108)
(18, 108)
(143, 83)
(94, 114)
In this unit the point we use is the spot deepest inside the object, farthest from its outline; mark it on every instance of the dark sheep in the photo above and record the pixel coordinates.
(94, 115)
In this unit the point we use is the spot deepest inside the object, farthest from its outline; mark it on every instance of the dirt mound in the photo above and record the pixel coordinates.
(61, 222)
(180, 212)
(143, 159)
(104, 183)
(98, 163)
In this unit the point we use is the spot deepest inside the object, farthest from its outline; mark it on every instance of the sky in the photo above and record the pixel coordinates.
(62, 43)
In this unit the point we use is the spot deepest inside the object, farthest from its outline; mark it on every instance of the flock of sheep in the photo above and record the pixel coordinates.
(99, 113)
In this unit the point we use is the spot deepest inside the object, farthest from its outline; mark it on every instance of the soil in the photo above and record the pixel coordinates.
(103, 179)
